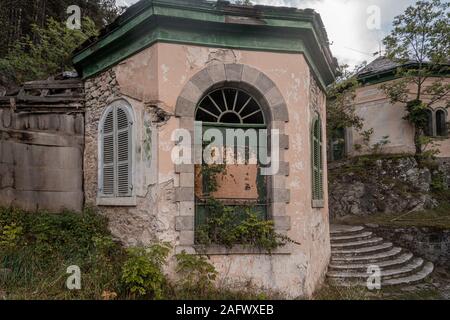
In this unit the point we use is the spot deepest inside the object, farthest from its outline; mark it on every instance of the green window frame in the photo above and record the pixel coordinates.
(317, 163)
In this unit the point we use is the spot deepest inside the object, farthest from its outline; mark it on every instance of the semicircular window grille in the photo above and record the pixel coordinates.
(229, 105)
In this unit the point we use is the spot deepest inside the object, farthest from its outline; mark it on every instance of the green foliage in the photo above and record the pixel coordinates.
(438, 183)
(10, 236)
(18, 16)
(38, 247)
(209, 176)
(142, 272)
(44, 53)
(197, 275)
(227, 227)
(420, 35)
(428, 145)
(376, 148)
(340, 104)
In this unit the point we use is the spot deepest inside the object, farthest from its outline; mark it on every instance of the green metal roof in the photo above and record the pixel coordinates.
(212, 24)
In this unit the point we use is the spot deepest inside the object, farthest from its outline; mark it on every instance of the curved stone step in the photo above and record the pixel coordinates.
(400, 271)
(382, 256)
(357, 244)
(356, 236)
(416, 277)
(386, 264)
(427, 269)
(357, 251)
(343, 229)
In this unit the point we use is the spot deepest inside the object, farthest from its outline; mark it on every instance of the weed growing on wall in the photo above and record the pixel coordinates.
(234, 225)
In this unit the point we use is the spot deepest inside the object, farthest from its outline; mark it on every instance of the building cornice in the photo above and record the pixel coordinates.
(211, 24)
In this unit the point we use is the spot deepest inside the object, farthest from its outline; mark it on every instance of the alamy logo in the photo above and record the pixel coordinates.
(214, 146)
(74, 280)
(73, 22)
(374, 279)
(374, 19)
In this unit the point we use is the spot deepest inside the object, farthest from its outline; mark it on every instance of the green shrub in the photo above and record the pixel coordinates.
(46, 244)
(197, 275)
(142, 272)
(10, 236)
(224, 226)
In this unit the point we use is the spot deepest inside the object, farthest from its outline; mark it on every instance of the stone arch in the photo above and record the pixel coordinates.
(243, 76)
(276, 112)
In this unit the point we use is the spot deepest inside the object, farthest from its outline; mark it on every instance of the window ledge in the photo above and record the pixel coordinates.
(318, 204)
(117, 202)
(217, 250)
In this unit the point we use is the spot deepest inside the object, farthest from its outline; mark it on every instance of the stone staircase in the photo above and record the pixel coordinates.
(354, 249)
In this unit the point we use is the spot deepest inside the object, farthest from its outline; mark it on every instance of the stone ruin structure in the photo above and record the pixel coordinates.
(106, 139)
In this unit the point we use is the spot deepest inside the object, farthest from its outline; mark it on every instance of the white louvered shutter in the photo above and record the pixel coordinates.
(116, 158)
(108, 155)
(123, 172)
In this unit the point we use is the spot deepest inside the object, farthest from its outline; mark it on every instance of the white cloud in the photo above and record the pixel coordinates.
(346, 24)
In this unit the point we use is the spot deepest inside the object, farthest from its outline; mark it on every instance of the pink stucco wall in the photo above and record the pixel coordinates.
(157, 76)
(387, 120)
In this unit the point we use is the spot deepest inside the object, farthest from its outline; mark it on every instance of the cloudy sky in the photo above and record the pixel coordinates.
(347, 23)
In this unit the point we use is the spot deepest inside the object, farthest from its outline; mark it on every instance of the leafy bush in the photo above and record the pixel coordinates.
(196, 274)
(46, 244)
(10, 236)
(36, 249)
(226, 227)
(142, 272)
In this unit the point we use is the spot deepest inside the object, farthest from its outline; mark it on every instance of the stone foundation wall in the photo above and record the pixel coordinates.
(41, 160)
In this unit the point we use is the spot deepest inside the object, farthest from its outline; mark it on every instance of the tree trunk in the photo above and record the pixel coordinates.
(417, 142)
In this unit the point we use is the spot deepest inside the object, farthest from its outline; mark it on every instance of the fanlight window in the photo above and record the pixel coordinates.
(116, 153)
(229, 105)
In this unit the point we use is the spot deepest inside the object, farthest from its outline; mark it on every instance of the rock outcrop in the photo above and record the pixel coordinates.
(368, 185)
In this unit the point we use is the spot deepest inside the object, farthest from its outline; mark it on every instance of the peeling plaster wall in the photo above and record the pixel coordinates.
(41, 160)
(156, 77)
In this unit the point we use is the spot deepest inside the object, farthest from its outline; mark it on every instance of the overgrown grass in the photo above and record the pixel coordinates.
(434, 218)
(37, 248)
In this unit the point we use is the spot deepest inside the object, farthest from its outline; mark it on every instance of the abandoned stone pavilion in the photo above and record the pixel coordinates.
(162, 66)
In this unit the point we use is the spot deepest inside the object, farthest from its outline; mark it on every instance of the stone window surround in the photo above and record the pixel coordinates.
(274, 106)
(109, 200)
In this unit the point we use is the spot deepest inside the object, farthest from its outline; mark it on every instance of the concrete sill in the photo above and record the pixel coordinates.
(117, 202)
(318, 204)
(236, 250)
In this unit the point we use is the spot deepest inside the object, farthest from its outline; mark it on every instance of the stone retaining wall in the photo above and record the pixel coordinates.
(41, 160)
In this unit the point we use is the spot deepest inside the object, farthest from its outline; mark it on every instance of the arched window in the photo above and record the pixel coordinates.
(231, 106)
(441, 123)
(240, 185)
(428, 130)
(115, 161)
(317, 162)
